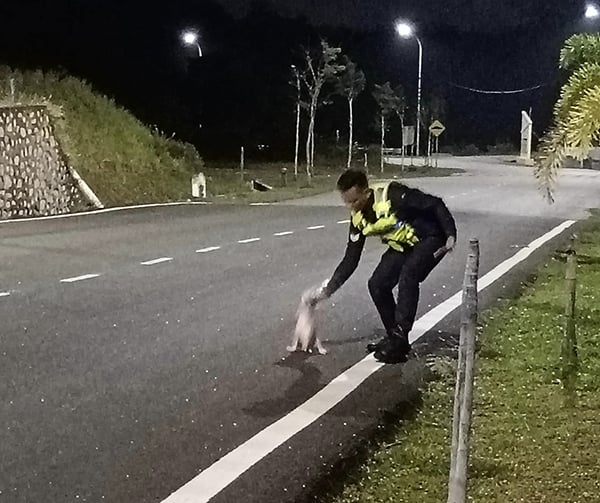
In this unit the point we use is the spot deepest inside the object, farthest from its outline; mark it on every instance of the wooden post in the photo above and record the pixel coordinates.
(429, 144)
(569, 344)
(461, 425)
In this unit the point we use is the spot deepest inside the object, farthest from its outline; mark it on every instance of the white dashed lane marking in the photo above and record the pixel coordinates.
(209, 249)
(157, 261)
(79, 278)
(170, 259)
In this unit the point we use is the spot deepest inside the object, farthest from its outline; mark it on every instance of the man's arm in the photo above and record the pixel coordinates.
(445, 220)
(415, 199)
(418, 200)
(348, 264)
(444, 217)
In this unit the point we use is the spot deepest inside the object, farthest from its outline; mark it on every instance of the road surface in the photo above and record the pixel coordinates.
(139, 347)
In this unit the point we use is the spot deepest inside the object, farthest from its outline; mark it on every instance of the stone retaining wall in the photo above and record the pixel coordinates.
(34, 177)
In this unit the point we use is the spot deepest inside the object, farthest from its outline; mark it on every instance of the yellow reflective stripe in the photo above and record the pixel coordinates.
(386, 220)
(357, 219)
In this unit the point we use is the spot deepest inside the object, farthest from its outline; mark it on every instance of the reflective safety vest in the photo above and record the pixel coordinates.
(393, 232)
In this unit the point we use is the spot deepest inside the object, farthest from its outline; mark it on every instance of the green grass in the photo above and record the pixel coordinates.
(225, 182)
(529, 444)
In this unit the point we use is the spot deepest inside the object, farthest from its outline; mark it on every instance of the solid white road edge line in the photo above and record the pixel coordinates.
(157, 261)
(220, 474)
(79, 278)
(104, 210)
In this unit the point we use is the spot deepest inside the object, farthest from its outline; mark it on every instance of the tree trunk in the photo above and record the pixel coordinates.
(297, 140)
(382, 140)
(312, 146)
(308, 153)
(310, 142)
(402, 142)
(350, 130)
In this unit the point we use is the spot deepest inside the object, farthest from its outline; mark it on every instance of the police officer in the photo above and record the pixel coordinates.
(418, 230)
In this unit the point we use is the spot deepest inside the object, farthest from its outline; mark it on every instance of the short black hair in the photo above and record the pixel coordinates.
(352, 178)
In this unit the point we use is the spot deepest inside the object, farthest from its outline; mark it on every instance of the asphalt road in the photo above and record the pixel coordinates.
(139, 347)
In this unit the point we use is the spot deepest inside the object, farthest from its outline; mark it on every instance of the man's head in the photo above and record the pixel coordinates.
(354, 189)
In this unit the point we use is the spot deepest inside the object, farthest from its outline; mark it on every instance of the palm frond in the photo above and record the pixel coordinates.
(576, 126)
(579, 49)
(583, 123)
(585, 77)
(553, 152)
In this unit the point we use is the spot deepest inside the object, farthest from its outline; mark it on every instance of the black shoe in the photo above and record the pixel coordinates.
(395, 349)
(374, 346)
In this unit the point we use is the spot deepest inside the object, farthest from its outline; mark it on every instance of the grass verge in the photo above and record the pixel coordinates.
(225, 182)
(528, 445)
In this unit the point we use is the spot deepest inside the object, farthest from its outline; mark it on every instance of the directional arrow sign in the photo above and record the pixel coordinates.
(437, 128)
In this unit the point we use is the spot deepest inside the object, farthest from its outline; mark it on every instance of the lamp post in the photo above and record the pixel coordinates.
(406, 30)
(191, 38)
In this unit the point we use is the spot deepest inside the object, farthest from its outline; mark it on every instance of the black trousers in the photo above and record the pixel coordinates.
(407, 270)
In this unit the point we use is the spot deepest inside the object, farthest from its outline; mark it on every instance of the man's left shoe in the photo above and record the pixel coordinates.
(394, 349)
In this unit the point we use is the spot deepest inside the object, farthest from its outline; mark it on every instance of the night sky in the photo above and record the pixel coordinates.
(239, 92)
(464, 15)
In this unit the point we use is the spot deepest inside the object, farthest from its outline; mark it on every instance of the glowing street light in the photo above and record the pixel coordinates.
(591, 11)
(191, 38)
(406, 30)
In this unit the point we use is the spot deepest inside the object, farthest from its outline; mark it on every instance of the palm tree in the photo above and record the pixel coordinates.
(576, 127)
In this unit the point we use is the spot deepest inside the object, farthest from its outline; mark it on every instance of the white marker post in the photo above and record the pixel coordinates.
(526, 137)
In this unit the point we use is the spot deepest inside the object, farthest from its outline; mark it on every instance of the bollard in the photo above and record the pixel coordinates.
(284, 177)
(242, 164)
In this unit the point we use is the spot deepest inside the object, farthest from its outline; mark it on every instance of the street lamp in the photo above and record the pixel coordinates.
(191, 38)
(406, 30)
(591, 11)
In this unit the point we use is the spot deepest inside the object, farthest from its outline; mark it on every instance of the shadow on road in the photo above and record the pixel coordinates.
(299, 391)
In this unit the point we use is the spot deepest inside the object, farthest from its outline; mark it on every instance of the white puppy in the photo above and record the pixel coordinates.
(305, 336)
